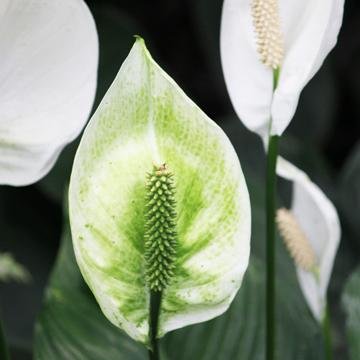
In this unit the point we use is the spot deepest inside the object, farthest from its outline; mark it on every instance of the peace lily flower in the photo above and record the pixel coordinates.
(158, 203)
(48, 69)
(295, 36)
(313, 227)
(270, 49)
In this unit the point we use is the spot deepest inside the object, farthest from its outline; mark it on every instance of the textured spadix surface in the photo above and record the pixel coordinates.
(146, 119)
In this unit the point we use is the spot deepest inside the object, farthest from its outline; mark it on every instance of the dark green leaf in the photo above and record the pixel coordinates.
(71, 326)
(351, 305)
(350, 193)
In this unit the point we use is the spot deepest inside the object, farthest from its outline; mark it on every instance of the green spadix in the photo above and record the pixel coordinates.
(158, 203)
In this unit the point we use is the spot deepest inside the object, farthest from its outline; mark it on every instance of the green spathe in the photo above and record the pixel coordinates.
(145, 119)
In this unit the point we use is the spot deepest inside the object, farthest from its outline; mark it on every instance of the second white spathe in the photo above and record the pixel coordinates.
(319, 221)
(310, 29)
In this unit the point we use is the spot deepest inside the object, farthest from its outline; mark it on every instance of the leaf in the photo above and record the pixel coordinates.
(350, 192)
(71, 325)
(146, 119)
(351, 305)
(74, 328)
(11, 270)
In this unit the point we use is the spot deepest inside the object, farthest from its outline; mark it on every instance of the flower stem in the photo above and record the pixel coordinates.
(4, 353)
(326, 328)
(155, 302)
(270, 246)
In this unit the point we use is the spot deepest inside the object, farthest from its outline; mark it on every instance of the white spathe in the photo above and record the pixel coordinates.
(319, 220)
(310, 29)
(48, 72)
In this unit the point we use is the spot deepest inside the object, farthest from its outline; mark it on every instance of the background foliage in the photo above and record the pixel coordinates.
(323, 140)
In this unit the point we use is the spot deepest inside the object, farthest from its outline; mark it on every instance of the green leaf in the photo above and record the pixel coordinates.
(350, 193)
(351, 306)
(11, 270)
(146, 119)
(71, 325)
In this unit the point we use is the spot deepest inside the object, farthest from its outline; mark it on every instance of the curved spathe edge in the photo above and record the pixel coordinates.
(319, 219)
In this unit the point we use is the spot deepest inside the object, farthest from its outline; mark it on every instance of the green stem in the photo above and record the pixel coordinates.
(326, 328)
(4, 353)
(270, 246)
(155, 302)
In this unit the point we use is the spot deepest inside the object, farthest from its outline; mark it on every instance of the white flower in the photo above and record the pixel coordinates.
(318, 219)
(309, 29)
(293, 37)
(48, 70)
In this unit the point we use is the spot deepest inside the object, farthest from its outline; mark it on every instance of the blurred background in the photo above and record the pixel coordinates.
(183, 37)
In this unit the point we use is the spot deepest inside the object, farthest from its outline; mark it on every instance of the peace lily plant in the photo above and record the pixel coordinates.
(159, 207)
(270, 50)
(48, 70)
